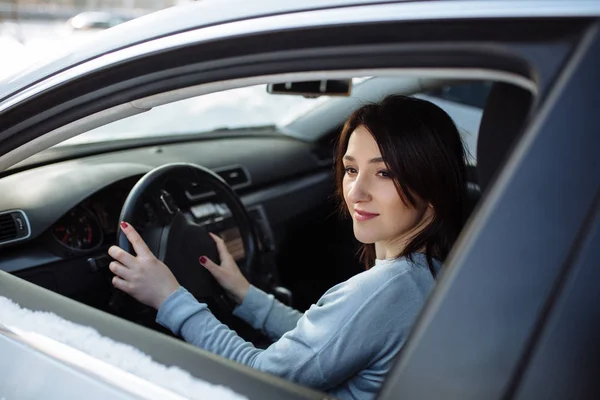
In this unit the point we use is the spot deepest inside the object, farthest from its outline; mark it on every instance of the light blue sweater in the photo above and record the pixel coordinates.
(344, 344)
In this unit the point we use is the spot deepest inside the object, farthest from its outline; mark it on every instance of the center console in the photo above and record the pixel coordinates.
(217, 218)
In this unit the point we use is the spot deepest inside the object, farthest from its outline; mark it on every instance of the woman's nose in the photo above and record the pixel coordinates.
(359, 190)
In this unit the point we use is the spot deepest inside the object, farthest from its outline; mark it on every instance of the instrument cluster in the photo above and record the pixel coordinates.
(79, 230)
(93, 222)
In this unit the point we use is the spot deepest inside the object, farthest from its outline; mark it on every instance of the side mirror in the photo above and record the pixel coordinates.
(312, 89)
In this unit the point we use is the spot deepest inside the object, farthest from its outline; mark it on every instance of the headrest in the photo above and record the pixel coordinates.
(502, 122)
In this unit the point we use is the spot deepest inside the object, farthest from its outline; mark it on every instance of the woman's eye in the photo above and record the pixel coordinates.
(350, 170)
(385, 174)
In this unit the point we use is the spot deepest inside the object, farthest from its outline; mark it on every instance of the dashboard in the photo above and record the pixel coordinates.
(93, 223)
(72, 207)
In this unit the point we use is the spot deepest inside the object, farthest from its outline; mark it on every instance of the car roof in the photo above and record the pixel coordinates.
(194, 15)
(176, 19)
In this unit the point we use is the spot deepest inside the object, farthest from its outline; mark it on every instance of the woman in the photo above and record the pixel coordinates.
(401, 178)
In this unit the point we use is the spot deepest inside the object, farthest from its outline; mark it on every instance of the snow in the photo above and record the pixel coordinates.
(119, 355)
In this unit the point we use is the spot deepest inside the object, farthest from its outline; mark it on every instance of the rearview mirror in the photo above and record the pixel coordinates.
(326, 87)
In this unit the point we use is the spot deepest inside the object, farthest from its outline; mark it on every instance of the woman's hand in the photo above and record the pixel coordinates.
(143, 276)
(228, 274)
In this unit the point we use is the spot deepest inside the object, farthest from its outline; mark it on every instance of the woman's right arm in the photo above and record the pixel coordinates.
(259, 309)
(263, 311)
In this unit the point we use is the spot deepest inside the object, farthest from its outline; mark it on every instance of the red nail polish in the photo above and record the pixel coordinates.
(124, 225)
(203, 260)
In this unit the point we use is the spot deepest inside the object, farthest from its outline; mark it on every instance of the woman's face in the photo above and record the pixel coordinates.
(378, 213)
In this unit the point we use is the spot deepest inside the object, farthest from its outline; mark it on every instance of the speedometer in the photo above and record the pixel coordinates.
(78, 230)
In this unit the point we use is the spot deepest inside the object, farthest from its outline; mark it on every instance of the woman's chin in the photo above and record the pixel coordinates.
(364, 237)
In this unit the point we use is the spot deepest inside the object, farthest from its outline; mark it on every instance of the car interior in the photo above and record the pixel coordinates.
(64, 204)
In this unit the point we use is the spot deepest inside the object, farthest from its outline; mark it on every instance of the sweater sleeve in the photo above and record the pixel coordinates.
(335, 339)
(262, 311)
(291, 357)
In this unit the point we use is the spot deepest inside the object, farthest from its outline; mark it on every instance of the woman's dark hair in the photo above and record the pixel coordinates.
(421, 146)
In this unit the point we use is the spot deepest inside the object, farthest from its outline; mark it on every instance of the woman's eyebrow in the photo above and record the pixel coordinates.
(375, 160)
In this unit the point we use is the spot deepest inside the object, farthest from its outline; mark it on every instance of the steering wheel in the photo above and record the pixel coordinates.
(177, 240)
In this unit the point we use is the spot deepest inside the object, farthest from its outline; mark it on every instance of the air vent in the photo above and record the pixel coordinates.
(13, 226)
(235, 176)
(8, 228)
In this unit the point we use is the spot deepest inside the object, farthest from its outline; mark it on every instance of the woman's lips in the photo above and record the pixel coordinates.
(363, 215)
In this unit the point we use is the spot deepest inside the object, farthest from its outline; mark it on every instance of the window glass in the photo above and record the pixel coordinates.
(464, 102)
(472, 94)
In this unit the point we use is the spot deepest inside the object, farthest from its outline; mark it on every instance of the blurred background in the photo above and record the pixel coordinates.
(31, 30)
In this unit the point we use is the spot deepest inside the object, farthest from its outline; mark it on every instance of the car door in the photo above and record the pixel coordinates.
(487, 329)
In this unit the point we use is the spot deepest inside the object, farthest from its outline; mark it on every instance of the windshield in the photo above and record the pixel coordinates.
(238, 108)
(254, 107)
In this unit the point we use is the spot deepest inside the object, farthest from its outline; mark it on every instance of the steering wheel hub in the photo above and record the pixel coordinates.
(182, 243)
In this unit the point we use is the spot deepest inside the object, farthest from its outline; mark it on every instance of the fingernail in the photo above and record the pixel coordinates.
(203, 260)
(124, 224)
